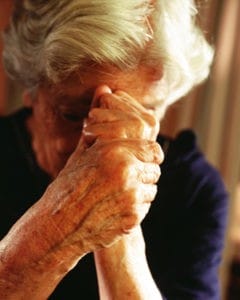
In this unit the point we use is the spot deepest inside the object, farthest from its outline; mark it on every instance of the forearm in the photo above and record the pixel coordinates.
(33, 256)
(123, 271)
(36, 281)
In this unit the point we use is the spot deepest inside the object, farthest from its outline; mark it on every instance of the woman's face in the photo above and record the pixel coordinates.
(58, 111)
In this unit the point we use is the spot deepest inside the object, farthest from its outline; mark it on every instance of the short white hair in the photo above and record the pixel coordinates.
(48, 40)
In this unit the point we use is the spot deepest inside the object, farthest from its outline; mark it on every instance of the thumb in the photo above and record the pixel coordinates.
(100, 90)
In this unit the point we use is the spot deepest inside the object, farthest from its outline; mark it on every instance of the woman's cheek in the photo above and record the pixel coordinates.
(66, 145)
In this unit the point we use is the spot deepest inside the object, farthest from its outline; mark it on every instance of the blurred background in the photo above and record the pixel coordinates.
(212, 110)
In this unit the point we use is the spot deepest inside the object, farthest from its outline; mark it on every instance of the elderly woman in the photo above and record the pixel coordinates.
(80, 162)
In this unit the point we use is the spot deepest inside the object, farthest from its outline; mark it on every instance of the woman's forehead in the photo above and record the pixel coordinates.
(86, 81)
(80, 86)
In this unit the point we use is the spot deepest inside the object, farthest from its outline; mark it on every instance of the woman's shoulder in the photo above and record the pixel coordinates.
(183, 153)
(12, 130)
(13, 120)
(188, 167)
(182, 148)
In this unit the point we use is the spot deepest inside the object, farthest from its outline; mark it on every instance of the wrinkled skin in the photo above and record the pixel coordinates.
(105, 164)
(122, 269)
(109, 180)
(115, 165)
(115, 188)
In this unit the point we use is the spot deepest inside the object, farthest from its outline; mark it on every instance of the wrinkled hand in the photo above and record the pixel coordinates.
(109, 180)
(118, 115)
(122, 269)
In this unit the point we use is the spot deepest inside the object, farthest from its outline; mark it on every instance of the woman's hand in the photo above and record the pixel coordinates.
(112, 174)
(108, 189)
(118, 115)
(122, 269)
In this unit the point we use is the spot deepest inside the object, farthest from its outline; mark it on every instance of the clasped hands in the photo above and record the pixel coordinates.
(109, 182)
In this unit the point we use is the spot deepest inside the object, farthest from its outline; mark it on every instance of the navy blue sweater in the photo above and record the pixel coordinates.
(184, 230)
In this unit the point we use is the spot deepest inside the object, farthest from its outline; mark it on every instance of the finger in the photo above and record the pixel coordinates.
(122, 102)
(144, 150)
(147, 113)
(116, 130)
(105, 131)
(106, 124)
(145, 193)
(116, 124)
(133, 105)
(130, 221)
(101, 115)
(148, 173)
(99, 92)
(132, 124)
(130, 101)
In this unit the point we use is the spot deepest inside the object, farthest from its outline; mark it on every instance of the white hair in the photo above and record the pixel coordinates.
(48, 40)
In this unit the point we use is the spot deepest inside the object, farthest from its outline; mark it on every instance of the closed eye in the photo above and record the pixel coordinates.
(72, 117)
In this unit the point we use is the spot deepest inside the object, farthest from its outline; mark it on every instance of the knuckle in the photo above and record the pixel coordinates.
(154, 191)
(156, 171)
(158, 153)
